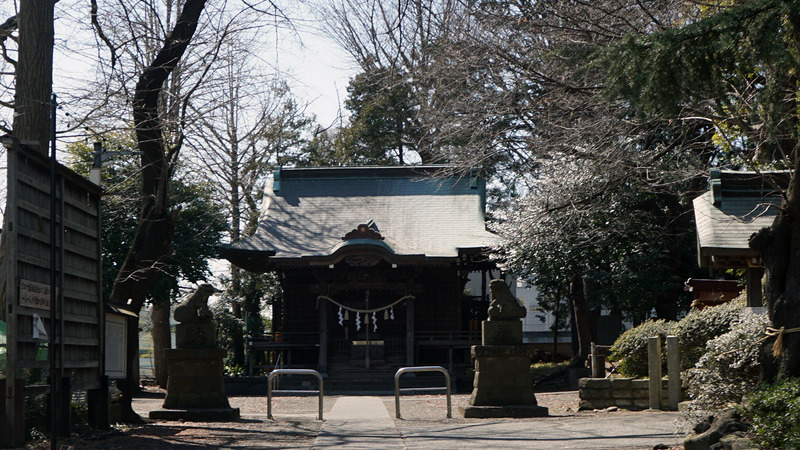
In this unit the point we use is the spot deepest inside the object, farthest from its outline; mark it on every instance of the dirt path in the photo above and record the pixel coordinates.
(296, 426)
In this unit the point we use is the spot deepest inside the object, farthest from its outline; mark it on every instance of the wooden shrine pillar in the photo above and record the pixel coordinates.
(322, 365)
(410, 332)
(754, 295)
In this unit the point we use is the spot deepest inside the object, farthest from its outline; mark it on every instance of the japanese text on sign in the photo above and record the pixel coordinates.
(34, 295)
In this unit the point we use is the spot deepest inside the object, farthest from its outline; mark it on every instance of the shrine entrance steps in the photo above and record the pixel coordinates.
(349, 380)
(346, 377)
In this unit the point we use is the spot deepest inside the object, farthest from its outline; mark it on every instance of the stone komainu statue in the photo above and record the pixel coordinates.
(195, 307)
(504, 305)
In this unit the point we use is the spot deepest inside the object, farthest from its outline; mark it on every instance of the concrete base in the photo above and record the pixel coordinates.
(197, 414)
(502, 376)
(502, 386)
(195, 379)
(494, 412)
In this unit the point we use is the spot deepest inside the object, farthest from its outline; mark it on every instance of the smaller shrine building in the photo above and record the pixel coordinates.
(737, 205)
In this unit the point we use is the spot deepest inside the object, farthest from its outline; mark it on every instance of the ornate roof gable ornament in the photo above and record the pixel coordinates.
(364, 231)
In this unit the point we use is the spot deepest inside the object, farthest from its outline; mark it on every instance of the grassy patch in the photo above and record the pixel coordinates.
(540, 370)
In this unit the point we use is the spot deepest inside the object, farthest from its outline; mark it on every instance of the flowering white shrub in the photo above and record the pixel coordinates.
(730, 367)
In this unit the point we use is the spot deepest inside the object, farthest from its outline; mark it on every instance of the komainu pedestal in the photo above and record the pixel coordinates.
(195, 382)
(503, 385)
(195, 378)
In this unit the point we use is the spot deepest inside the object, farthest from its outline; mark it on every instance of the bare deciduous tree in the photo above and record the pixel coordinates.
(246, 124)
(391, 43)
(509, 88)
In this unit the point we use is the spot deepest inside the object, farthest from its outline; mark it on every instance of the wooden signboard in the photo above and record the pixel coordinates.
(26, 273)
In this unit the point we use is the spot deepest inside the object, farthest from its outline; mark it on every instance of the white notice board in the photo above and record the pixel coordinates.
(115, 346)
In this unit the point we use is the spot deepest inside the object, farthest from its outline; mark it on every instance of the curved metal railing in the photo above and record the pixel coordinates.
(421, 369)
(277, 372)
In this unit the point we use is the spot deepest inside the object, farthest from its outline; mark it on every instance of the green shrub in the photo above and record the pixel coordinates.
(226, 325)
(540, 370)
(730, 368)
(234, 370)
(630, 349)
(700, 327)
(775, 411)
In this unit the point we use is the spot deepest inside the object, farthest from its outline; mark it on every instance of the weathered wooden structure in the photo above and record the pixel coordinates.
(712, 292)
(737, 204)
(373, 263)
(38, 284)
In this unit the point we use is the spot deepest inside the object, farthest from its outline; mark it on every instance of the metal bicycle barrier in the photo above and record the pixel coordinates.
(277, 372)
(421, 369)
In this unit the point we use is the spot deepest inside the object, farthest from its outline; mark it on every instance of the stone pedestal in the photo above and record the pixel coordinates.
(501, 332)
(195, 335)
(195, 387)
(502, 386)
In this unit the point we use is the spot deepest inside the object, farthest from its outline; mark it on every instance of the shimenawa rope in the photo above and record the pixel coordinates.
(363, 311)
(778, 333)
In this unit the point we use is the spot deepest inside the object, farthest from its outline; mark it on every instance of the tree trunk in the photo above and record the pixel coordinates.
(159, 317)
(779, 246)
(557, 317)
(237, 335)
(152, 243)
(581, 314)
(34, 81)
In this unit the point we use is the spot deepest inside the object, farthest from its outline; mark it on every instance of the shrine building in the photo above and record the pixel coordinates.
(736, 205)
(373, 263)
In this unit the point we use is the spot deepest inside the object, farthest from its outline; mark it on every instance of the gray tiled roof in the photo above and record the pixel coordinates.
(306, 213)
(743, 205)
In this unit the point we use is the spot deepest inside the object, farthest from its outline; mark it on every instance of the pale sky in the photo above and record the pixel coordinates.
(316, 68)
(319, 72)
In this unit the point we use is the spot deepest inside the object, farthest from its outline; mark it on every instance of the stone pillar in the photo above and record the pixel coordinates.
(654, 370)
(502, 376)
(673, 372)
(502, 385)
(598, 362)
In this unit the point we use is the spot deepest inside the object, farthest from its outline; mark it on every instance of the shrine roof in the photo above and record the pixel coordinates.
(737, 204)
(312, 216)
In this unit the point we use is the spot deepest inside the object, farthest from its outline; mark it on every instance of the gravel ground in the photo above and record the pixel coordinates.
(295, 427)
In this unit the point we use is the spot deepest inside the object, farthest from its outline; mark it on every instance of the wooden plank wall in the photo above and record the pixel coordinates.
(78, 266)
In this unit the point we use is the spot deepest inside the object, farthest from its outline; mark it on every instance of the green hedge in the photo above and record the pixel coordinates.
(630, 349)
(701, 326)
(775, 411)
(693, 332)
